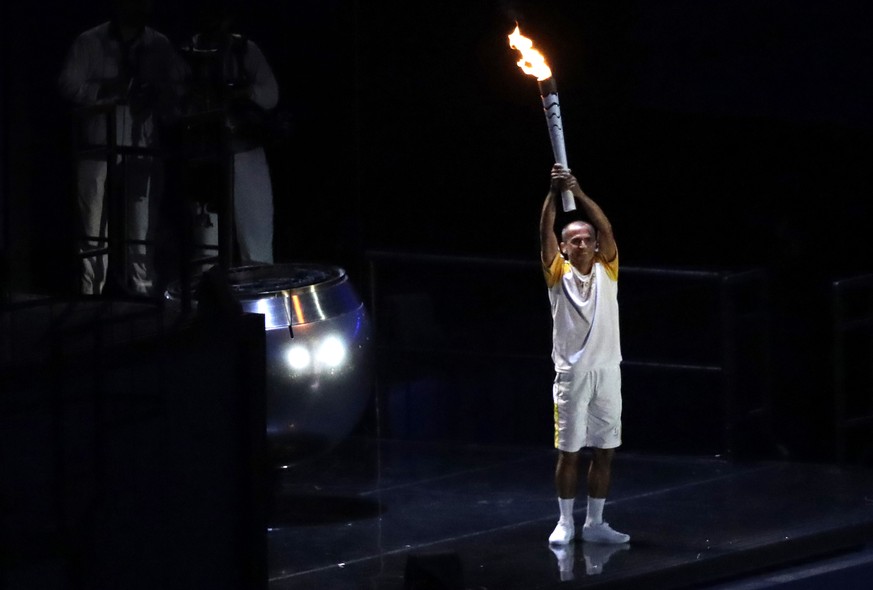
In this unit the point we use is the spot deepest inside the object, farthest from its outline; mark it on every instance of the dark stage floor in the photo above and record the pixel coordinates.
(356, 518)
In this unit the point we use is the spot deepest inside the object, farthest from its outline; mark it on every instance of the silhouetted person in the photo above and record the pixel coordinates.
(582, 276)
(132, 71)
(230, 77)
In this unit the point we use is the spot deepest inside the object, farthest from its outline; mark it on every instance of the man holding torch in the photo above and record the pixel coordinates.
(581, 272)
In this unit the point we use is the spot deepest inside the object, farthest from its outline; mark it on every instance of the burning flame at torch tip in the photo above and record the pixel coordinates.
(532, 61)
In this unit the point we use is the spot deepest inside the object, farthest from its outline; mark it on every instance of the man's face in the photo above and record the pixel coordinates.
(579, 245)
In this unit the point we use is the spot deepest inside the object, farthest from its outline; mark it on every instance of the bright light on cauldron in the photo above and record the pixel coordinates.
(298, 358)
(322, 356)
(331, 352)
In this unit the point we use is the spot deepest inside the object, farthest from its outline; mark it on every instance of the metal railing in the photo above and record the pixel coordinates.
(115, 243)
(740, 306)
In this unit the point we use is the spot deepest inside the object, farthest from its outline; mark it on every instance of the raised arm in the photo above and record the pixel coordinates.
(563, 178)
(548, 241)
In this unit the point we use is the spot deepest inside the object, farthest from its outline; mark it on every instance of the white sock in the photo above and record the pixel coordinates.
(595, 510)
(566, 507)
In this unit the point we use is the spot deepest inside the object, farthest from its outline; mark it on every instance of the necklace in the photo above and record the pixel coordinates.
(583, 282)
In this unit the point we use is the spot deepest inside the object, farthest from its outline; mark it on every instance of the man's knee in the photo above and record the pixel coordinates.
(567, 460)
(602, 457)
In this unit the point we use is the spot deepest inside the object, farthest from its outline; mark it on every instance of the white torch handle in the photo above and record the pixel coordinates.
(567, 201)
(552, 110)
(557, 136)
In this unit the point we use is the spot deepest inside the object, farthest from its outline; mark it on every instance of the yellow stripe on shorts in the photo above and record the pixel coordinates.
(556, 425)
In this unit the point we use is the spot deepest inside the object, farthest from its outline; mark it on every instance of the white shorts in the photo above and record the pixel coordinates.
(588, 409)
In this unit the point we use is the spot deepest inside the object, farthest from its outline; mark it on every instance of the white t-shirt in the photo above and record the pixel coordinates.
(585, 326)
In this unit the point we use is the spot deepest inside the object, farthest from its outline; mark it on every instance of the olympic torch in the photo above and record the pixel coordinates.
(534, 64)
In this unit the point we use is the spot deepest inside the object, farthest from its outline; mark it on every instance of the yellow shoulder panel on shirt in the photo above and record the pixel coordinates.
(555, 270)
(611, 267)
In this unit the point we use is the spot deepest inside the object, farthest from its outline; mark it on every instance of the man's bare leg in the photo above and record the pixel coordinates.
(599, 479)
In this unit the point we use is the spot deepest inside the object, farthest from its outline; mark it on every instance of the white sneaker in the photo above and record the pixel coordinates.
(603, 533)
(563, 533)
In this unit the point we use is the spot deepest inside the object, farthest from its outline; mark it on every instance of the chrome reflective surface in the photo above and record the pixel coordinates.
(318, 371)
(293, 294)
(318, 383)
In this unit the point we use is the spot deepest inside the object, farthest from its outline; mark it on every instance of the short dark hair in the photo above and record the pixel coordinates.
(572, 221)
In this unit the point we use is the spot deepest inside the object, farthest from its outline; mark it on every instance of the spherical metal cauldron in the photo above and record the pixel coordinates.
(318, 371)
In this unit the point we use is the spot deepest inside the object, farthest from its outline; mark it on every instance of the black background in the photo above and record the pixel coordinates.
(715, 134)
